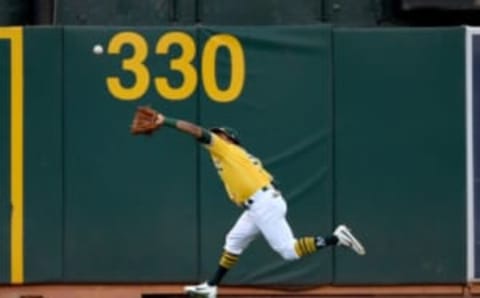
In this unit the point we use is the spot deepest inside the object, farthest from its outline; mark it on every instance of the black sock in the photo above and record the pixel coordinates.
(327, 241)
(331, 240)
(217, 278)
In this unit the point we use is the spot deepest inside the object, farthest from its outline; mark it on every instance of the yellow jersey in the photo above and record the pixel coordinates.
(241, 173)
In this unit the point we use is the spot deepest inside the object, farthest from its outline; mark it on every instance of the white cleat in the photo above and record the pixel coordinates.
(346, 238)
(202, 290)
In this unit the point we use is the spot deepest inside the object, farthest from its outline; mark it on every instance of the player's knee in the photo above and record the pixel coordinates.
(234, 244)
(233, 249)
(287, 253)
(230, 237)
(289, 257)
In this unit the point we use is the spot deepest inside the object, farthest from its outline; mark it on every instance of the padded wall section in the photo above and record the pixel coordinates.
(131, 210)
(400, 154)
(43, 155)
(5, 206)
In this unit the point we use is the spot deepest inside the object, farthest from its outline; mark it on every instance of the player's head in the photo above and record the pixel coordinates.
(227, 133)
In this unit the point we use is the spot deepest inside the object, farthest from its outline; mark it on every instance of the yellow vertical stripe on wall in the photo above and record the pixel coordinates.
(15, 35)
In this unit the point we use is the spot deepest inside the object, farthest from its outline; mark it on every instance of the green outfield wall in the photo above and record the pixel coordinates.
(44, 215)
(364, 127)
(5, 161)
(148, 186)
(400, 153)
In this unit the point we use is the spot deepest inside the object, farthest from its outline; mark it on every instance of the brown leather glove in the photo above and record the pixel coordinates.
(144, 121)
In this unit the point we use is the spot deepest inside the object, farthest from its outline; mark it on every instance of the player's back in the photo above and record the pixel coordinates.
(242, 173)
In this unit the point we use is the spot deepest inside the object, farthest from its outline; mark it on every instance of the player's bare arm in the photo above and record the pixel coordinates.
(198, 132)
(187, 127)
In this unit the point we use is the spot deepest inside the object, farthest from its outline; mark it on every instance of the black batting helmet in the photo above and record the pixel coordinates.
(231, 133)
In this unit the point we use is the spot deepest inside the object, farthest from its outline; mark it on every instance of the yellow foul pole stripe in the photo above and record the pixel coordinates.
(17, 157)
(15, 35)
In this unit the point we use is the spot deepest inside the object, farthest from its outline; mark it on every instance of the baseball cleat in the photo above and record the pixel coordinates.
(201, 290)
(346, 238)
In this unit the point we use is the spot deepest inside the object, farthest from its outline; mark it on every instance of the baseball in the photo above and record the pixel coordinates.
(98, 49)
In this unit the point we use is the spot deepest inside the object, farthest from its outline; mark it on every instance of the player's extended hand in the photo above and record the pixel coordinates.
(146, 120)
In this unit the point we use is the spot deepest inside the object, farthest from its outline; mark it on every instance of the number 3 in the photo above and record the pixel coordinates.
(183, 64)
(134, 64)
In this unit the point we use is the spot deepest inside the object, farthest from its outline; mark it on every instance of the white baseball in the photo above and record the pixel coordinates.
(98, 49)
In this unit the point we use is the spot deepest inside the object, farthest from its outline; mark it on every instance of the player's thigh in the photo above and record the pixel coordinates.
(278, 234)
(241, 234)
(272, 223)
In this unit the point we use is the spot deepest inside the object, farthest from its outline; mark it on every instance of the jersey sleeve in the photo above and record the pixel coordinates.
(206, 137)
(217, 145)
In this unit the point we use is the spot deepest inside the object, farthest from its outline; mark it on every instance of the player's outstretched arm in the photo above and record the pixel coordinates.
(147, 120)
(198, 132)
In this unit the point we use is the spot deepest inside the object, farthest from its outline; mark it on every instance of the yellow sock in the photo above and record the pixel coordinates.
(305, 246)
(228, 260)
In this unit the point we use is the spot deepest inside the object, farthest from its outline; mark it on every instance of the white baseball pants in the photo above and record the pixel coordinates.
(266, 215)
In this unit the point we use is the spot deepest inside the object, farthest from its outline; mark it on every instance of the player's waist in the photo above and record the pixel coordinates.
(258, 195)
(243, 188)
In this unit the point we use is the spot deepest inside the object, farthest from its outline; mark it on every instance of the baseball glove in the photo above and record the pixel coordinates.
(144, 121)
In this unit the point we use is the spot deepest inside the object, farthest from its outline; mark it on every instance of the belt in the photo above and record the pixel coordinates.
(249, 202)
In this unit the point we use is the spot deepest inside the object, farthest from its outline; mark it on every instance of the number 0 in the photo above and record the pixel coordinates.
(237, 69)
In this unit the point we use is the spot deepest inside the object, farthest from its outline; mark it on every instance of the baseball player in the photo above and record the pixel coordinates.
(251, 187)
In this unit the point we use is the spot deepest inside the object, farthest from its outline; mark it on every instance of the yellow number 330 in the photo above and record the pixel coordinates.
(135, 65)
